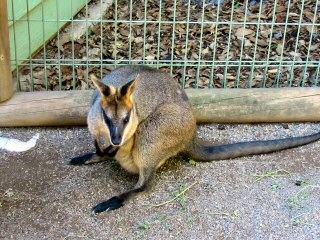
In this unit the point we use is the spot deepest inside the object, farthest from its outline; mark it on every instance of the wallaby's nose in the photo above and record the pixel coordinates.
(116, 136)
(116, 140)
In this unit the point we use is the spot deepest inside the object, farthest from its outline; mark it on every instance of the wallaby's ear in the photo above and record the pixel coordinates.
(128, 89)
(104, 89)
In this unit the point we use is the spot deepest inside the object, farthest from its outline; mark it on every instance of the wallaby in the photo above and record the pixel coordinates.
(141, 117)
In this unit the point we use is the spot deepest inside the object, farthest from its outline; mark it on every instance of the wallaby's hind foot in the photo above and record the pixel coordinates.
(111, 204)
(116, 202)
(88, 158)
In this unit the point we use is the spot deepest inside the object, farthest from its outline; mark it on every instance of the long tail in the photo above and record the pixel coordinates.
(201, 152)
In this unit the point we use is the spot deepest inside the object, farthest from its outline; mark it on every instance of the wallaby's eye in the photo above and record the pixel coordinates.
(126, 119)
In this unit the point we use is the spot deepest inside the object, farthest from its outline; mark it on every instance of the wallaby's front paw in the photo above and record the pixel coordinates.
(111, 204)
(82, 159)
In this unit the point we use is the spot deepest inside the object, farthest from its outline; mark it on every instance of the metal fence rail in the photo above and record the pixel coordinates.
(242, 44)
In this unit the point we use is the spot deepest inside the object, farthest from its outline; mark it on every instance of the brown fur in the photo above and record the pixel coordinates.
(159, 114)
(161, 125)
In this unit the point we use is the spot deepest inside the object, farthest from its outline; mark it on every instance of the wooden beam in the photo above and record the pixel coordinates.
(45, 109)
(6, 84)
(210, 105)
(256, 105)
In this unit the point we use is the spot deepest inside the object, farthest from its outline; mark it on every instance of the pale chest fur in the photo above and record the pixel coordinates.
(125, 158)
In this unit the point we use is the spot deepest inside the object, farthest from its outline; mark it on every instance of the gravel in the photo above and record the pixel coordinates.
(42, 197)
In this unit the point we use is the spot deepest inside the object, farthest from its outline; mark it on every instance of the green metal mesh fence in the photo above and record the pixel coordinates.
(215, 44)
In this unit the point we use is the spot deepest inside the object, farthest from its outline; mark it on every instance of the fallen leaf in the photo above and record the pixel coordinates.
(206, 51)
(275, 70)
(314, 47)
(279, 49)
(138, 39)
(150, 57)
(295, 54)
(243, 32)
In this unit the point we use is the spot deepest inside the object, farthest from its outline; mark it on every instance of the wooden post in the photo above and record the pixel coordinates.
(6, 84)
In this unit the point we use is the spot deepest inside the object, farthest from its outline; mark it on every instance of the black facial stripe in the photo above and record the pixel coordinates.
(114, 129)
(107, 120)
(127, 118)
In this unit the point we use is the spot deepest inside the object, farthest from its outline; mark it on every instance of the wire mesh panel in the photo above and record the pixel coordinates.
(219, 44)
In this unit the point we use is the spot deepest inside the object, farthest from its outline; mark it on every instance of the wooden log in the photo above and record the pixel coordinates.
(45, 109)
(6, 84)
(256, 105)
(210, 105)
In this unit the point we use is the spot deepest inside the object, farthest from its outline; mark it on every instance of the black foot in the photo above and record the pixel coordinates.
(82, 159)
(111, 204)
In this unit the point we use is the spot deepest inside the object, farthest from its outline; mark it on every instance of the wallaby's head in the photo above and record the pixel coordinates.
(118, 111)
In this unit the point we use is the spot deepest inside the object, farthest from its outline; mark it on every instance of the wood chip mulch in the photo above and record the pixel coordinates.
(287, 43)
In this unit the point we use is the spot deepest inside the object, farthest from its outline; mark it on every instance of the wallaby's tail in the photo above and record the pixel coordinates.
(202, 152)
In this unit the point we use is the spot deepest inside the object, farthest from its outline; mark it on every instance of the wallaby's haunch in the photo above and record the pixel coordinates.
(141, 117)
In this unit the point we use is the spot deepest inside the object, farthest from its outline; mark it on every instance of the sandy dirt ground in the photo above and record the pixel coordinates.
(42, 197)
